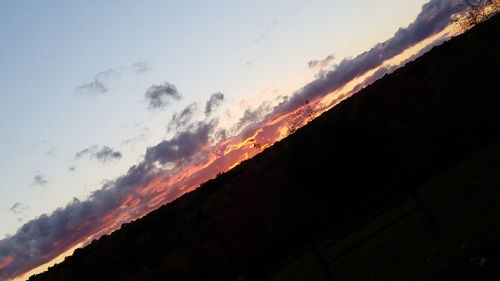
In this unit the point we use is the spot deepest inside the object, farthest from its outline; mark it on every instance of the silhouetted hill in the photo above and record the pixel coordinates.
(391, 137)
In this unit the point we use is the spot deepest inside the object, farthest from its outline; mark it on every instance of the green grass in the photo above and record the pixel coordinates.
(465, 200)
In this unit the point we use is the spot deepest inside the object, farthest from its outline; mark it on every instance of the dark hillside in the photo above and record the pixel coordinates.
(391, 137)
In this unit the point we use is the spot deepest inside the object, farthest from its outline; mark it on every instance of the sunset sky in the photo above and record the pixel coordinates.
(109, 109)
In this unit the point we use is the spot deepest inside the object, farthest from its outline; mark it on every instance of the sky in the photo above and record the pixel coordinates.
(109, 109)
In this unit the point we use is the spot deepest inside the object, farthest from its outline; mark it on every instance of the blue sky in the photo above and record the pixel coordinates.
(74, 76)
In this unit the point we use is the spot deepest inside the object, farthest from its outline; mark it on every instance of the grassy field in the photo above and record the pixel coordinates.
(402, 243)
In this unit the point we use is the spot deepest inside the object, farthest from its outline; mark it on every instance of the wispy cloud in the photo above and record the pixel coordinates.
(141, 67)
(252, 115)
(102, 154)
(39, 180)
(182, 119)
(320, 64)
(51, 152)
(18, 208)
(214, 102)
(159, 96)
(140, 137)
(98, 84)
(266, 30)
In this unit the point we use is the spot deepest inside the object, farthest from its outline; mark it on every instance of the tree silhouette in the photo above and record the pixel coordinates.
(475, 11)
(303, 115)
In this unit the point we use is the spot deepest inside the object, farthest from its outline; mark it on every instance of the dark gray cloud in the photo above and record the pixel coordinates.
(39, 180)
(137, 139)
(98, 85)
(141, 67)
(320, 64)
(266, 30)
(106, 154)
(183, 145)
(18, 208)
(215, 101)
(158, 96)
(434, 17)
(102, 154)
(51, 152)
(182, 119)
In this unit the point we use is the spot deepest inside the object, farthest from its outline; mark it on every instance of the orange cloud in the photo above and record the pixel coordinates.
(6, 261)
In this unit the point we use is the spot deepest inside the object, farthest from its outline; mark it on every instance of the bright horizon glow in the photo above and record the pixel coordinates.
(44, 267)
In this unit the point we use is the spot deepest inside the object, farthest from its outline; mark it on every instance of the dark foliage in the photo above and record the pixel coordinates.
(378, 144)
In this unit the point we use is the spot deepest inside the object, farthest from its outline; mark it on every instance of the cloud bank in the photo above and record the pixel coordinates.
(141, 189)
(183, 145)
(434, 17)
